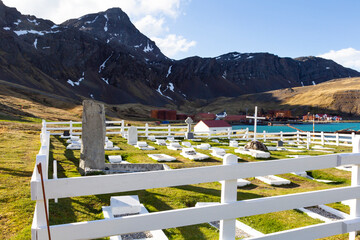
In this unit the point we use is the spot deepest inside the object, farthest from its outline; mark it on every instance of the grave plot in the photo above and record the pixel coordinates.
(190, 153)
(174, 146)
(253, 153)
(126, 206)
(324, 213)
(109, 146)
(218, 152)
(273, 180)
(162, 157)
(144, 146)
(115, 159)
(242, 230)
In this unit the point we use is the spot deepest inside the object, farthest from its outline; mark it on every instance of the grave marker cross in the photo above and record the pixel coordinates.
(189, 121)
(255, 117)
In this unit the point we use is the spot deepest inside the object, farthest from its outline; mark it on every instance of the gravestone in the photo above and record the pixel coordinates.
(189, 134)
(132, 136)
(66, 133)
(92, 155)
(280, 143)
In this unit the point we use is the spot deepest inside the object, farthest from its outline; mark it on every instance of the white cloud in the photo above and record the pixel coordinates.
(149, 16)
(348, 57)
(173, 44)
(151, 26)
(61, 10)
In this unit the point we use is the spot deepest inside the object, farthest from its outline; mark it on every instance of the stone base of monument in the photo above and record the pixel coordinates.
(273, 180)
(112, 168)
(90, 172)
(242, 182)
(189, 135)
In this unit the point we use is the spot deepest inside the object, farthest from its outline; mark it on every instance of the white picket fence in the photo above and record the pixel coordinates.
(227, 211)
(118, 127)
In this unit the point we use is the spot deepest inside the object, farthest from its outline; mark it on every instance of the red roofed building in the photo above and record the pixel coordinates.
(211, 125)
(204, 116)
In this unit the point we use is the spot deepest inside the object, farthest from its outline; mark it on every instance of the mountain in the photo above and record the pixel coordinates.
(103, 56)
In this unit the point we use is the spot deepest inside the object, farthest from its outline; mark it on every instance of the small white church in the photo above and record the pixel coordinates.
(211, 125)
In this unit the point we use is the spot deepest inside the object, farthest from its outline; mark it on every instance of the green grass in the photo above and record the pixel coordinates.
(17, 209)
(18, 149)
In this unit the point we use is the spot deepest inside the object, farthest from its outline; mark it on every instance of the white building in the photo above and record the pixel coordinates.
(211, 125)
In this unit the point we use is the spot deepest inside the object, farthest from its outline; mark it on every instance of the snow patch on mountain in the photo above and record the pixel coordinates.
(106, 24)
(17, 22)
(34, 21)
(6, 28)
(35, 43)
(171, 87)
(148, 48)
(77, 83)
(41, 33)
(169, 71)
(102, 66)
(159, 91)
(106, 80)
(88, 22)
(224, 75)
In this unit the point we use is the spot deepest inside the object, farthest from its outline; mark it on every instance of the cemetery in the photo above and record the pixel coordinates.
(129, 182)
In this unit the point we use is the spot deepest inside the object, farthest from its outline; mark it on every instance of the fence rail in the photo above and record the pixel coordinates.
(179, 131)
(227, 211)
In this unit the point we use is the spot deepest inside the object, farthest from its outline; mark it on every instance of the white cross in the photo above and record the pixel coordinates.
(255, 117)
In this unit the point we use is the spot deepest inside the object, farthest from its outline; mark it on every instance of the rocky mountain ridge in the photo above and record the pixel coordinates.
(103, 56)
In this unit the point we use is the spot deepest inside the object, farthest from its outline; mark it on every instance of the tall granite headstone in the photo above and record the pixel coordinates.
(92, 155)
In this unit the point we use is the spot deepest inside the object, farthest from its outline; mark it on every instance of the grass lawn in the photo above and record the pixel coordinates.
(20, 144)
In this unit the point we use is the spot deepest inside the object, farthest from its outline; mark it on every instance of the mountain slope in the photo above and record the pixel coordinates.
(104, 57)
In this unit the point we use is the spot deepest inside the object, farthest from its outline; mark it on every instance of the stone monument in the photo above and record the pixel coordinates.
(189, 134)
(132, 136)
(92, 155)
(256, 145)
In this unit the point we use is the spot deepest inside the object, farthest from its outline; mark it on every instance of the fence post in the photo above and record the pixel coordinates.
(308, 141)
(39, 214)
(322, 138)
(229, 133)
(228, 195)
(122, 128)
(355, 181)
(264, 136)
(146, 129)
(281, 136)
(55, 175)
(337, 139)
(298, 137)
(71, 128)
(43, 126)
(352, 137)
(247, 134)
(169, 130)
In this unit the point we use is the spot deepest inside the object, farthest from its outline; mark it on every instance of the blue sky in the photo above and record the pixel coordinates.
(208, 28)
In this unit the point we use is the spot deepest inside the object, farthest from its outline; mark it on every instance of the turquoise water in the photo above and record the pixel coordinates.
(328, 127)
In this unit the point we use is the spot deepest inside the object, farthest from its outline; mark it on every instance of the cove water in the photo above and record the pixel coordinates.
(325, 127)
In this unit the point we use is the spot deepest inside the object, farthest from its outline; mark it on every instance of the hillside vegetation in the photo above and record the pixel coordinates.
(338, 96)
